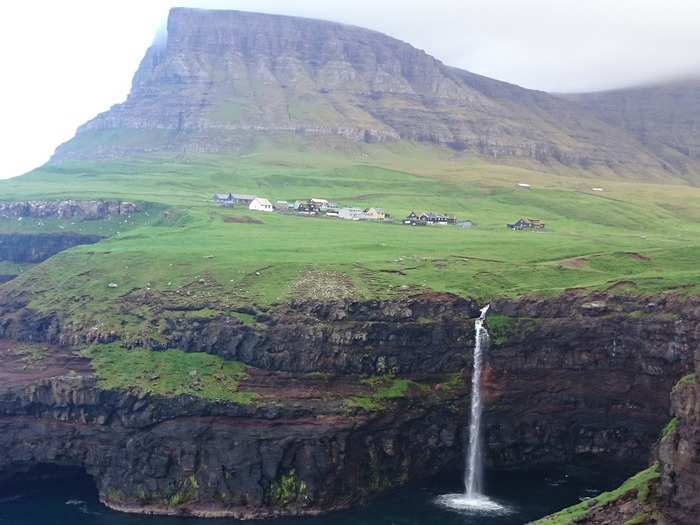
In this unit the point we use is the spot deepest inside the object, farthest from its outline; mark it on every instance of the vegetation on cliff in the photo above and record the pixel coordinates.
(384, 389)
(169, 373)
(638, 484)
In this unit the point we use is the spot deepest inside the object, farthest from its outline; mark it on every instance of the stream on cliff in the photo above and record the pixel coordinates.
(72, 500)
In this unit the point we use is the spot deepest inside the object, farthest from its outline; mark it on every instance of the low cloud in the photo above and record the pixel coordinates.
(552, 45)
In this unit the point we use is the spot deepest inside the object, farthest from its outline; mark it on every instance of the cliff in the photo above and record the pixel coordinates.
(679, 454)
(224, 79)
(667, 492)
(37, 247)
(67, 209)
(341, 401)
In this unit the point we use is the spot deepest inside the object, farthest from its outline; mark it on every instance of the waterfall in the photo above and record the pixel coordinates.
(472, 500)
(473, 474)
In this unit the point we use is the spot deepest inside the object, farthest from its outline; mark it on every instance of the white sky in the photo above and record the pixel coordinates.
(64, 61)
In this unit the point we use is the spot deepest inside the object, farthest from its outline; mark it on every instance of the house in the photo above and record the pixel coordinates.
(241, 199)
(260, 204)
(413, 220)
(352, 214)
(375, 214)
(306, 207)
(321, 204)
(281, 206)
(432, 218)
(525, 223)
(225, 199)
(231, 199)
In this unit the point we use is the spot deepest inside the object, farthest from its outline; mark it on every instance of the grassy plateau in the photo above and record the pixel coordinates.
(636, 236)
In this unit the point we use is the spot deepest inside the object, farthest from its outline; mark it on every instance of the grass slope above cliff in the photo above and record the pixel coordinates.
(190, 252)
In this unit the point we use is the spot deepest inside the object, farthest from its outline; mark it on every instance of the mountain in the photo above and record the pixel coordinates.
(223, 80)
(665, 118)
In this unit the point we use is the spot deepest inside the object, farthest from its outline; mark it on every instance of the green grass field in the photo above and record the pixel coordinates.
(635, 236)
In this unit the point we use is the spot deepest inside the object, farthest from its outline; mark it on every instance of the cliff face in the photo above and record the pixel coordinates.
(183, 456)
(69, 209)
(679, 454)
(37, 247)
(667, 492)
(568, 379)
(665, 118)
(223, 78)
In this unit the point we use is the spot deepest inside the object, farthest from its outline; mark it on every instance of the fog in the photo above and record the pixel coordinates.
(63, 62)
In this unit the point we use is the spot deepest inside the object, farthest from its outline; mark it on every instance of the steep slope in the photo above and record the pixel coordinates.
(665, 118)
(223, 78)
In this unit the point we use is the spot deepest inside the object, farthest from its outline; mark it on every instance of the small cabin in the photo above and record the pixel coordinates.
(526, 223)
(260, 204)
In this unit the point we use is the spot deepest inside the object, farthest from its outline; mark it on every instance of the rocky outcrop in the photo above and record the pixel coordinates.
(67, 209)
(565, 380)
(223, 79)
(679, 454)
(37, 247)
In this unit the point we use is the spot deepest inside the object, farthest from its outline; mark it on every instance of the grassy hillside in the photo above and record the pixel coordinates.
(633, 236)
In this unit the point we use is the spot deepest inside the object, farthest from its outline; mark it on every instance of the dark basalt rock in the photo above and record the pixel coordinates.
(184, 456)
(559, 385)
(679, 455)
(67, 209)
(424, 334)
(37, 247)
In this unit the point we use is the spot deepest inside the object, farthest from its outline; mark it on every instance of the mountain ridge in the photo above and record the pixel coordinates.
(224, 78)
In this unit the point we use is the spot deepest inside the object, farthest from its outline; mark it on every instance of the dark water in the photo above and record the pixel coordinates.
(73, 501)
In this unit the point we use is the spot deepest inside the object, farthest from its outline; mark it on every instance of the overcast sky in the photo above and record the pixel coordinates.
(64, 61)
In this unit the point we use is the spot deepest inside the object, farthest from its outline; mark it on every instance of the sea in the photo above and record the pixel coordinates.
(522, 496)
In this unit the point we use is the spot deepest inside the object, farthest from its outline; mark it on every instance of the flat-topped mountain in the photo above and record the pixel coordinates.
(224, 79)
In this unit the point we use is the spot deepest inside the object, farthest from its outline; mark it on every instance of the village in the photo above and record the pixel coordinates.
(323, 207)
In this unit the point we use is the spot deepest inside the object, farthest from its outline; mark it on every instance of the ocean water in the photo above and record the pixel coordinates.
(525, 496)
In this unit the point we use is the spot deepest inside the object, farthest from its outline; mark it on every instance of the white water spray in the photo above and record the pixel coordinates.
(473, 475)
(473, 499)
